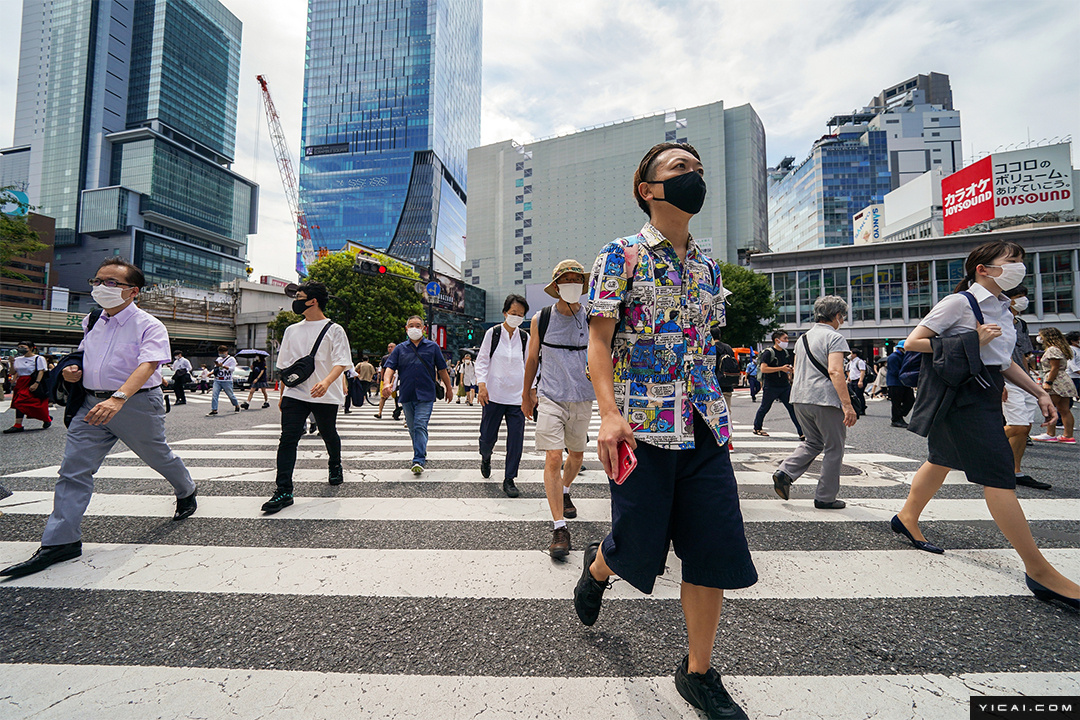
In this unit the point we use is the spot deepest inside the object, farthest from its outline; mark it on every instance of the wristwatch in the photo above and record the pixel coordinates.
(120, 395)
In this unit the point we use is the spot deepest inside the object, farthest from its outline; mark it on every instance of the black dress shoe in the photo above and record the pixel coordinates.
(485, 466)
(1047, 595)
(898, 527)
(899, 424)
(337, 475)
(185, 506)
(43, 558)
(834, 505)
(781, 483)
(1028, 481)
(510, 488)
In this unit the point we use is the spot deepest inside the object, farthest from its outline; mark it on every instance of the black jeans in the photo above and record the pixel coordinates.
(902, 399)
(178, 386)
(491, 419)
(294, 414)
(860, 393)
(770, 394)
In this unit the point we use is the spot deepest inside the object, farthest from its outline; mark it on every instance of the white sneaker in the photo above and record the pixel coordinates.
(417, 468)
(1045, 437)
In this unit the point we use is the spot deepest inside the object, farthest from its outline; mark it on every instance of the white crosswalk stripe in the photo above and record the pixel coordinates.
(436, 546)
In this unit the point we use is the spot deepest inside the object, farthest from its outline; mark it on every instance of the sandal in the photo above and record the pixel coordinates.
(762, 433)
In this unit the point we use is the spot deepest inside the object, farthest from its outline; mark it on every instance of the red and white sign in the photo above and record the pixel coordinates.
(438, 335)
(968, 196)
(275, 281)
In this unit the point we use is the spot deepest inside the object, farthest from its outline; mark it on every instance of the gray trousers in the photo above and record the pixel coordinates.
(141, 425)
(825, 432)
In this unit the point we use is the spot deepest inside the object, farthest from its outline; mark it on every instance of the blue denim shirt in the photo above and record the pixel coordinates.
(416, 367)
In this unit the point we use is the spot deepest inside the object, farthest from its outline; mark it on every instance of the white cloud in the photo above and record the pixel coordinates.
(550, 67)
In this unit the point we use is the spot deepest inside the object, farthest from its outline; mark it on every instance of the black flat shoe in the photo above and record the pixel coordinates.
(1028, 481)
(1047, 595)
(898, 527)
(185, 507)
(833, 505)
(781, 483)
(43, 558)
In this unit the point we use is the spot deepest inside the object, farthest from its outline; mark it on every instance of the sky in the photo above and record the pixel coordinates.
(556, 66)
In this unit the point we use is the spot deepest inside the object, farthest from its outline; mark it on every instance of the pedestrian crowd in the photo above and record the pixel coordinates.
(640, 335)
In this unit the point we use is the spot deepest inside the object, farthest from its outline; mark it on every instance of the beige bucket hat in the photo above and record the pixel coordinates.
(566, 266)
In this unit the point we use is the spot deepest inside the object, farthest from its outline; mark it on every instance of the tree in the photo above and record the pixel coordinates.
(751, 307)
(284, 319)
(373, 310)
(17, 238)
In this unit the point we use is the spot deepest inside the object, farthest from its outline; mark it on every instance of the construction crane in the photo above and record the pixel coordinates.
(305, 249)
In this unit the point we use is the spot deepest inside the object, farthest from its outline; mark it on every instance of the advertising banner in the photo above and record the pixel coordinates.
(451, 292)
(1033, 180)
(967, 196)
(330, 149)
(866, 225)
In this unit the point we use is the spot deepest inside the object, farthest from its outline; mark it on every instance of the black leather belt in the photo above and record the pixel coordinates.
(109, 393)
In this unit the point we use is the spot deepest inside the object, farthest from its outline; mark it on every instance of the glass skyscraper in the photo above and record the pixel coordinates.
(391, 107)
(125, 125)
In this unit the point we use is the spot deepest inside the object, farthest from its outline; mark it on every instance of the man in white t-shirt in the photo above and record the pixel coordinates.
(223, 370)
(320, 395)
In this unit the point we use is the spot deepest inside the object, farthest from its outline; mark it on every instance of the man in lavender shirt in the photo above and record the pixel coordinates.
(121, 356)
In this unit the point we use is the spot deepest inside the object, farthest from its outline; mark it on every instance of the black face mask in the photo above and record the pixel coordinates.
(686, 192)
(299, 306)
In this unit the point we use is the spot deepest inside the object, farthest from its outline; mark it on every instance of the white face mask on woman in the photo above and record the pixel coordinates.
(1020, 304)
(1012, 274)
(514, 320)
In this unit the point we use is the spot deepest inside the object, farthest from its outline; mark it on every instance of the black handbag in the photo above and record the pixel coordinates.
(303, 368)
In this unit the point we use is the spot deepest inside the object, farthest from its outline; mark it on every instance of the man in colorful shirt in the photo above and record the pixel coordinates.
(653, 298)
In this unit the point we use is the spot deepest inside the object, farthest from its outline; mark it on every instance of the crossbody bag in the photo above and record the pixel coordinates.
(302, 369)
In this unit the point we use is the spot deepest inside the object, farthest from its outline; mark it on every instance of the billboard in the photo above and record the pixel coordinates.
(1019, 182)
(451, 291)
(866, 225)
(330, 149)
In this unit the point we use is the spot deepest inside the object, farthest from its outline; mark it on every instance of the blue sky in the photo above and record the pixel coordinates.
(555, 66)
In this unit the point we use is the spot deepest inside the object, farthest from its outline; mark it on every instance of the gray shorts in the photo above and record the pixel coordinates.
(562, 425)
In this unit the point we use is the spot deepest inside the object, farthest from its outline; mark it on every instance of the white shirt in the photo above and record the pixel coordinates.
(30, 365)
(952, 316)
(503, 372)
(333, 352)
(181, 365)
(223, 367)
(1072, 368)
(855, 369)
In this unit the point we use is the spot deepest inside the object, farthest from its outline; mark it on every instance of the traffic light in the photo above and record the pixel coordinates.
(469, 334)
(369, 267)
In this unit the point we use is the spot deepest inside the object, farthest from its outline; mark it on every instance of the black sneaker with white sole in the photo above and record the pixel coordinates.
(589, 593)
(280, 499)
(706, 692)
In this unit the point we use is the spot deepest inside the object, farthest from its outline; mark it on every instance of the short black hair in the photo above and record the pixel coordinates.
(778, 334)
(1073, 336)
(223, 347)
(316, 291)
(134, 275)
(27, 343)
(855, 351)
(1018, 291)
(511, 299)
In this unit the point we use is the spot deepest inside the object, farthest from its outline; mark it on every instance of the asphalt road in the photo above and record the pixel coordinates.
(391, 596)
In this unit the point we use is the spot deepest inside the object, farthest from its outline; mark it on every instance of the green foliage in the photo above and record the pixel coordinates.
(17, 239)
(372, 309)
(751, 307)
(284, 319)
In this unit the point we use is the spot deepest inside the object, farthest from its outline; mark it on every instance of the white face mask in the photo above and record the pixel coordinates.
(782, 345)
(1020, 303)
(108, 297)
(414, 333)
(514, 320)
(571, 292)
(1012, 274)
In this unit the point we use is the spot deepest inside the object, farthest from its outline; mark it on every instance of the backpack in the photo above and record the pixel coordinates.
(496, 336)
(727, 368)
(871, 374)
(911, 364)
(56, 391)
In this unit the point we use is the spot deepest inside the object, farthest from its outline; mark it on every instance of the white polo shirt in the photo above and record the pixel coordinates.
(952, 316)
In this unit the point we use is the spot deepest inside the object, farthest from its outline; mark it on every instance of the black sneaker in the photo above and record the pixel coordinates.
(265, 405)
(1028, 481)
(510, 488)
(899, 424)
(244, 405)
(589, 592)
(706, 692)
(337, 476)
(211, 413)
(236, 408)
(281, 499)
(485, 466)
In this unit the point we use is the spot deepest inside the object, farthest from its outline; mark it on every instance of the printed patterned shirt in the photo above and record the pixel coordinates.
(663, 353)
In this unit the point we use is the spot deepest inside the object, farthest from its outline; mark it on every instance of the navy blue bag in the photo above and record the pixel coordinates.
(911, 363)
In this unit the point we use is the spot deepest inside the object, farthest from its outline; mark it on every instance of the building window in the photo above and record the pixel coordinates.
(669, 136)
(919, 299)
(519, 216)
(519, 199)
(519, 233)
(891, 291)
(527, 223)
(527, 275)
(527, 240)
(476, 280)
(528, 172)
(784, 289)
(1056, 269)
(528, 189)
(518, 267)
(527, 257)
(862, 293)
(519, 282)
(528, 206)
(835, 282)
(468, 272)
(520, 166)
(518, 250)
(949, 273)
(519, 182)
(809, 291)
(475, 264)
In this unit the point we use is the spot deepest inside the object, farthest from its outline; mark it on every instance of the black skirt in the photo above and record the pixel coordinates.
(971, 437)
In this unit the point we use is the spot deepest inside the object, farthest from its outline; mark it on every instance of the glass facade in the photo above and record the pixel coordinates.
(396, 83)
(784, 289)
(890, 283)
(185, 69)
(1056, 273)
(104, 211)
(862, 293)
(164, 260)
(809, 291)
(919, 298)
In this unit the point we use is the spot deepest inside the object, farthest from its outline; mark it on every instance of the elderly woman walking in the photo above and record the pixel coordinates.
(822, 403)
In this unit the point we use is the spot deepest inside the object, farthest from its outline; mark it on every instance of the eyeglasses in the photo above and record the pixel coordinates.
(94, 282)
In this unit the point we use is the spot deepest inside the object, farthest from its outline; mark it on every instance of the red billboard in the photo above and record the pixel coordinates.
(968, 196)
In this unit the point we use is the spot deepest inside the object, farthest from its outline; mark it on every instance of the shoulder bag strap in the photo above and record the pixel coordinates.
(813, 360)
(95, 315)
(318, 340)
(545, 320)
(974, 306)
(421, 359)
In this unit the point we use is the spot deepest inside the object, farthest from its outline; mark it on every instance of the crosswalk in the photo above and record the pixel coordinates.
(394, 596)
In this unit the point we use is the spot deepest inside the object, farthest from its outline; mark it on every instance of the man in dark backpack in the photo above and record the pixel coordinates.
(500, 373)
(775, 368)
(727, 367)
(563, 398)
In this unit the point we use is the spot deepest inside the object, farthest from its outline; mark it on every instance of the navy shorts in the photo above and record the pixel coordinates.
(687, 498)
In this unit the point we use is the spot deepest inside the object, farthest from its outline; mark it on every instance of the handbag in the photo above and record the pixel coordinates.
(303, 368)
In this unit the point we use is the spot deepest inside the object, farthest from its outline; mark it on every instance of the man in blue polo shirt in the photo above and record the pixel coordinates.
(416, 362)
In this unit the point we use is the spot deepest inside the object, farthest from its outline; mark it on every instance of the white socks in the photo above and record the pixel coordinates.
(566, 491)
(559, 524)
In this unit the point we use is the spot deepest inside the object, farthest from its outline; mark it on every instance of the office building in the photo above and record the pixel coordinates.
(391, 106)
(533, 205)
(904, 132)
(125, 123)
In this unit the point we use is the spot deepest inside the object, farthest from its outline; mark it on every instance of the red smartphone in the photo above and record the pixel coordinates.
(627, 463)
